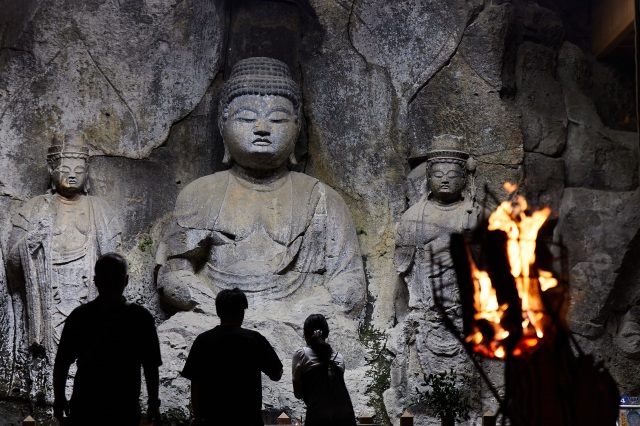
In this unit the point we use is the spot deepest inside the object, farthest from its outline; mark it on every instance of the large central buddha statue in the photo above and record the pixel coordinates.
(259, 226)
(284, 238)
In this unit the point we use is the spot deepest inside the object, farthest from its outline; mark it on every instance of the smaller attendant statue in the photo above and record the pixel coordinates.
(422, 240)
(423, 261)
(56, 239)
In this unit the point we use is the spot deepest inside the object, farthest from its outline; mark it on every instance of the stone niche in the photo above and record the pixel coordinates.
(379, 79)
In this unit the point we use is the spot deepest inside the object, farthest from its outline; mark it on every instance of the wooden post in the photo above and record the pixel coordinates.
(29, 421)
(612, 22)
(406, 419)
(488, 419)
(283, 419)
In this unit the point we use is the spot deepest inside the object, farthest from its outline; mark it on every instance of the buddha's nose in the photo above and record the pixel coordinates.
(261, 128)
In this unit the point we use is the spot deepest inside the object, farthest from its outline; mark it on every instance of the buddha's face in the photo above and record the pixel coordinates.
(446, 182)
(69, 176)
(260, 132)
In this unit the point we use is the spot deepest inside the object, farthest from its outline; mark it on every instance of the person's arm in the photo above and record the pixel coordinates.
(270, 363)
(196, 406)
(151, 359)
(296, 363)
(60, 404)
(276, 376)
(65, 356)
(152, 378)
(193, 370)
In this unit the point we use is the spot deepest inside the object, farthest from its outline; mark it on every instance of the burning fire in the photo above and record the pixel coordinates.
(521, 230)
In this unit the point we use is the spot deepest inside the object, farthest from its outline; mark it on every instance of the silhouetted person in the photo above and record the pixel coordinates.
(224, 367)
(109, 339)
(318, 378)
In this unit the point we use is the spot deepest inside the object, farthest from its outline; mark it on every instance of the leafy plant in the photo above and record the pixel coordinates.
(443, 395)
(145, 243)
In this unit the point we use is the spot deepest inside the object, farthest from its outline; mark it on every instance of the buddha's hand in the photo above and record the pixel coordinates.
(35, 237)
(177, 289)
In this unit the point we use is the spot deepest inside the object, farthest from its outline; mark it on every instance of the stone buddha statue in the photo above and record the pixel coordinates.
(259, 226)
(285, 238)
(423, 261)
(423, 233)
(55, 240)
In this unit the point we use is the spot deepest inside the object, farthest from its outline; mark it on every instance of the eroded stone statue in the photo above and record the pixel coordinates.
(423, 261)
(55, 241)
(422, 239)
(284, 238)
(259, 226)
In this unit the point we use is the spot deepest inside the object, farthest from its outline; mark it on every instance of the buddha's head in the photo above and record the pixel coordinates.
(259, 115)
(67, 161)
(447, 167)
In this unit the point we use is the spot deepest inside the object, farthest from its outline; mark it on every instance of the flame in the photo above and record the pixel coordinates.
(522, 230)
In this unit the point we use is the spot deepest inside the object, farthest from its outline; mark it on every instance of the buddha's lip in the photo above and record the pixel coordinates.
(262, 142)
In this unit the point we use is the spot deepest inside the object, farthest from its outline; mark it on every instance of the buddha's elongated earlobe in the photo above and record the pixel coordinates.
(227, 159)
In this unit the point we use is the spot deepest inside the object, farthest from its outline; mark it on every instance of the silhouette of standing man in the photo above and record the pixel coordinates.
(109, 339)
(224, 367)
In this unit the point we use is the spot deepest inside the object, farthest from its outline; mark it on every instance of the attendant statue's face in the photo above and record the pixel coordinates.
(260, 132)
(446, 182)
(69, 176)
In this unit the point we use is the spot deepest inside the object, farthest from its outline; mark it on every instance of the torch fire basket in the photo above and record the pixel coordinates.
(514, 309)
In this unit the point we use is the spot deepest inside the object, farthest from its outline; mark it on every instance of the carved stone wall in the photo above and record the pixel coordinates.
(379, 80)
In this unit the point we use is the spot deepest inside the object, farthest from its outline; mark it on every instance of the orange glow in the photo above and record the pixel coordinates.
(530, 280)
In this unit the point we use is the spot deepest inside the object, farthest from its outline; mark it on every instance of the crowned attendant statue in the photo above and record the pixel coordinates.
(422, 239)
(284, 238)
(55, 241)
(423, 261)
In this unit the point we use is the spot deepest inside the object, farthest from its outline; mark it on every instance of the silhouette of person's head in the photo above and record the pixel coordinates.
(316, 324)
(230, 306)
(111, 276)
(316, 331)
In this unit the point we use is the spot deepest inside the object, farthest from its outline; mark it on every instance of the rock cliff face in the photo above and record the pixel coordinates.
(379, 79)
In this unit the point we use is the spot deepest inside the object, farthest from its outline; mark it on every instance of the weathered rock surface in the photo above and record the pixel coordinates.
(544, 179)
(541, 101)
(594, 226)
(122, 73)
(379, 80)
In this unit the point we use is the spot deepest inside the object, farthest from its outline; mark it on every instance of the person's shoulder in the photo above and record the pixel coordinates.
(255, 336)
(337, 357)
(81, 312)
(251, 333)
(138, 311)
(299, 354)
(207, 336)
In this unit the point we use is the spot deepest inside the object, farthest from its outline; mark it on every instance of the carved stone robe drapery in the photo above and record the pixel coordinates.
(314, 242)
(54, 277)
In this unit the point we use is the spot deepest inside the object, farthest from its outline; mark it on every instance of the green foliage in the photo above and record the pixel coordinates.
(380, 372)
(443, 395)
(145, 243)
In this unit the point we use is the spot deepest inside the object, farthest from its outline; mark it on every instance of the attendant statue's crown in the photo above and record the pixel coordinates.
(448, 149)
(69, 145)
(260, 76)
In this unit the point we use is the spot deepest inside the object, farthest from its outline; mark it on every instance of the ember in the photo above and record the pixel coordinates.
(499, 328)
